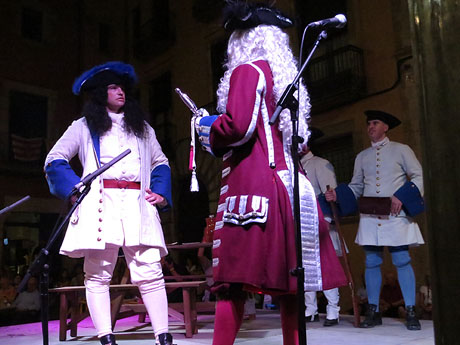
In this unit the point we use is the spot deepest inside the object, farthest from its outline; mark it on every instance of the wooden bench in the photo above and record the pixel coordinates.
(69, 302)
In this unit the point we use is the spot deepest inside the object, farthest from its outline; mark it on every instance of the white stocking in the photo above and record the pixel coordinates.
(98, 300)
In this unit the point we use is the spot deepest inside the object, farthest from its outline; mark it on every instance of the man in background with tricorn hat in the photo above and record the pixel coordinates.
(121, 209)
(388, 184)
(320, 173)
(254, 237)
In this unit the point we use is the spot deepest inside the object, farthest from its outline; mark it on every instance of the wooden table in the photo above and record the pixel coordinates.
(69, 302)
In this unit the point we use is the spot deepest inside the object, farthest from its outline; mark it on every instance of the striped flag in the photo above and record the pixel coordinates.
(26, 149)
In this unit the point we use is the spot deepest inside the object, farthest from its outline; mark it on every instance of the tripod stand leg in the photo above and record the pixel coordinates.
(44, 295)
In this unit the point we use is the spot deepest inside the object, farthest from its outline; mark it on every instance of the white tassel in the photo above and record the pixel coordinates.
(194, 187)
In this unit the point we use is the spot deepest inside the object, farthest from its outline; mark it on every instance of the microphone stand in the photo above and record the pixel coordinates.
(17, 203)
(40, 265)
(288, 101)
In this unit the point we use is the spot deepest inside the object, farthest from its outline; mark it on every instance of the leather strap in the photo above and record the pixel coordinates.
(122, 184)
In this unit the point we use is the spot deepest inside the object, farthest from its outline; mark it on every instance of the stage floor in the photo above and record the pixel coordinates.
(265, 329)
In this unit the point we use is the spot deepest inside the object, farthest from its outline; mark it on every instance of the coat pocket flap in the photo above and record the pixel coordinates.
(245, 209)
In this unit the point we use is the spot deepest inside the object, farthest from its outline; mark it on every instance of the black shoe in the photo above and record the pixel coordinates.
(312, 318)
(330, 322)
(108, 339)
(165, 339)
(412, 322)
(373, 317)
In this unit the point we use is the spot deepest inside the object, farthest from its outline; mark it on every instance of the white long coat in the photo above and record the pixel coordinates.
(380, 172)
(321, 173)
(86, 228)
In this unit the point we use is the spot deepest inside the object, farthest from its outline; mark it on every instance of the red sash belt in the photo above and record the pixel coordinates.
(122, 184)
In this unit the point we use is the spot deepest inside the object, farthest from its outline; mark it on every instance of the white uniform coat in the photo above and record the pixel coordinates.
(380, 171)
(321, 173)
(87, 227)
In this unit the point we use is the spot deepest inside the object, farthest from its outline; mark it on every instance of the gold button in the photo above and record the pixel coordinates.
(378, 153)
(378, 159)
(378, 191)
(380, 224)
(98, 239)
(378, 165)
(378, 178)
(378, 184)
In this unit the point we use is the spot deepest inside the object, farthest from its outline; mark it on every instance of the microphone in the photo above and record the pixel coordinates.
(337, 22)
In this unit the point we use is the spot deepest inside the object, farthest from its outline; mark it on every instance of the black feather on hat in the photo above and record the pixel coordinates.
(239, 15)
(315, 133)
(390, 120)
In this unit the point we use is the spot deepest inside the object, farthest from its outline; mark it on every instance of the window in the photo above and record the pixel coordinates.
(32, 24)
(338, 151)
(160, 95)
(27, 126)
(104, 37)
(218, 57)
(160, 15)
(314, 10)
(136, 22)
(154, 34)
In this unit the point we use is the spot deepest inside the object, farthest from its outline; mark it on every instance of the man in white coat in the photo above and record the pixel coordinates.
(321, 173)
(388, 181)
(121, 208)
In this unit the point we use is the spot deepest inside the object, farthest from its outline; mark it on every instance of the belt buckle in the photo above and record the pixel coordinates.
(122, 184)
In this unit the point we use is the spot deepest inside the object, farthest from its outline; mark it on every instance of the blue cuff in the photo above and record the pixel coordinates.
(411, 199)
(325, 206)
(204, 129)
(160, 183)
(346, 200)
(61, 178)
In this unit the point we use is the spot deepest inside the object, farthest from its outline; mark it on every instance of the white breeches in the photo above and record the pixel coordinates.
(332, 308)
(146, 273)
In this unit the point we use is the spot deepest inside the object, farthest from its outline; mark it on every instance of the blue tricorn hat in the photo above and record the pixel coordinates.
(390, 120)
(239, 15)
(112, 72)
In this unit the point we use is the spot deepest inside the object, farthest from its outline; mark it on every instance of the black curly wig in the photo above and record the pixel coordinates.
(98, 119)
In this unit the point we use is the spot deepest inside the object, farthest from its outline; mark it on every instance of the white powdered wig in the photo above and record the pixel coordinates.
(269, 43)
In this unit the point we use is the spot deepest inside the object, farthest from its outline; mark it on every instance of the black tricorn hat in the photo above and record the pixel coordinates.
(315, 133)
(390, 120)
(240, 15)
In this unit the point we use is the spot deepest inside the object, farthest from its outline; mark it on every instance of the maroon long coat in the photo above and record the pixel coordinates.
(254, 239)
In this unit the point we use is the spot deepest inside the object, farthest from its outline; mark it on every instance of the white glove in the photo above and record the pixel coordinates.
(202, 112)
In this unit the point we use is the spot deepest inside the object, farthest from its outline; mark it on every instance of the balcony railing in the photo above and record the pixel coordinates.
(336, 78)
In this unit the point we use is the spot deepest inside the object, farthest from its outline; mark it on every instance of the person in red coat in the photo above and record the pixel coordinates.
(254, 237)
